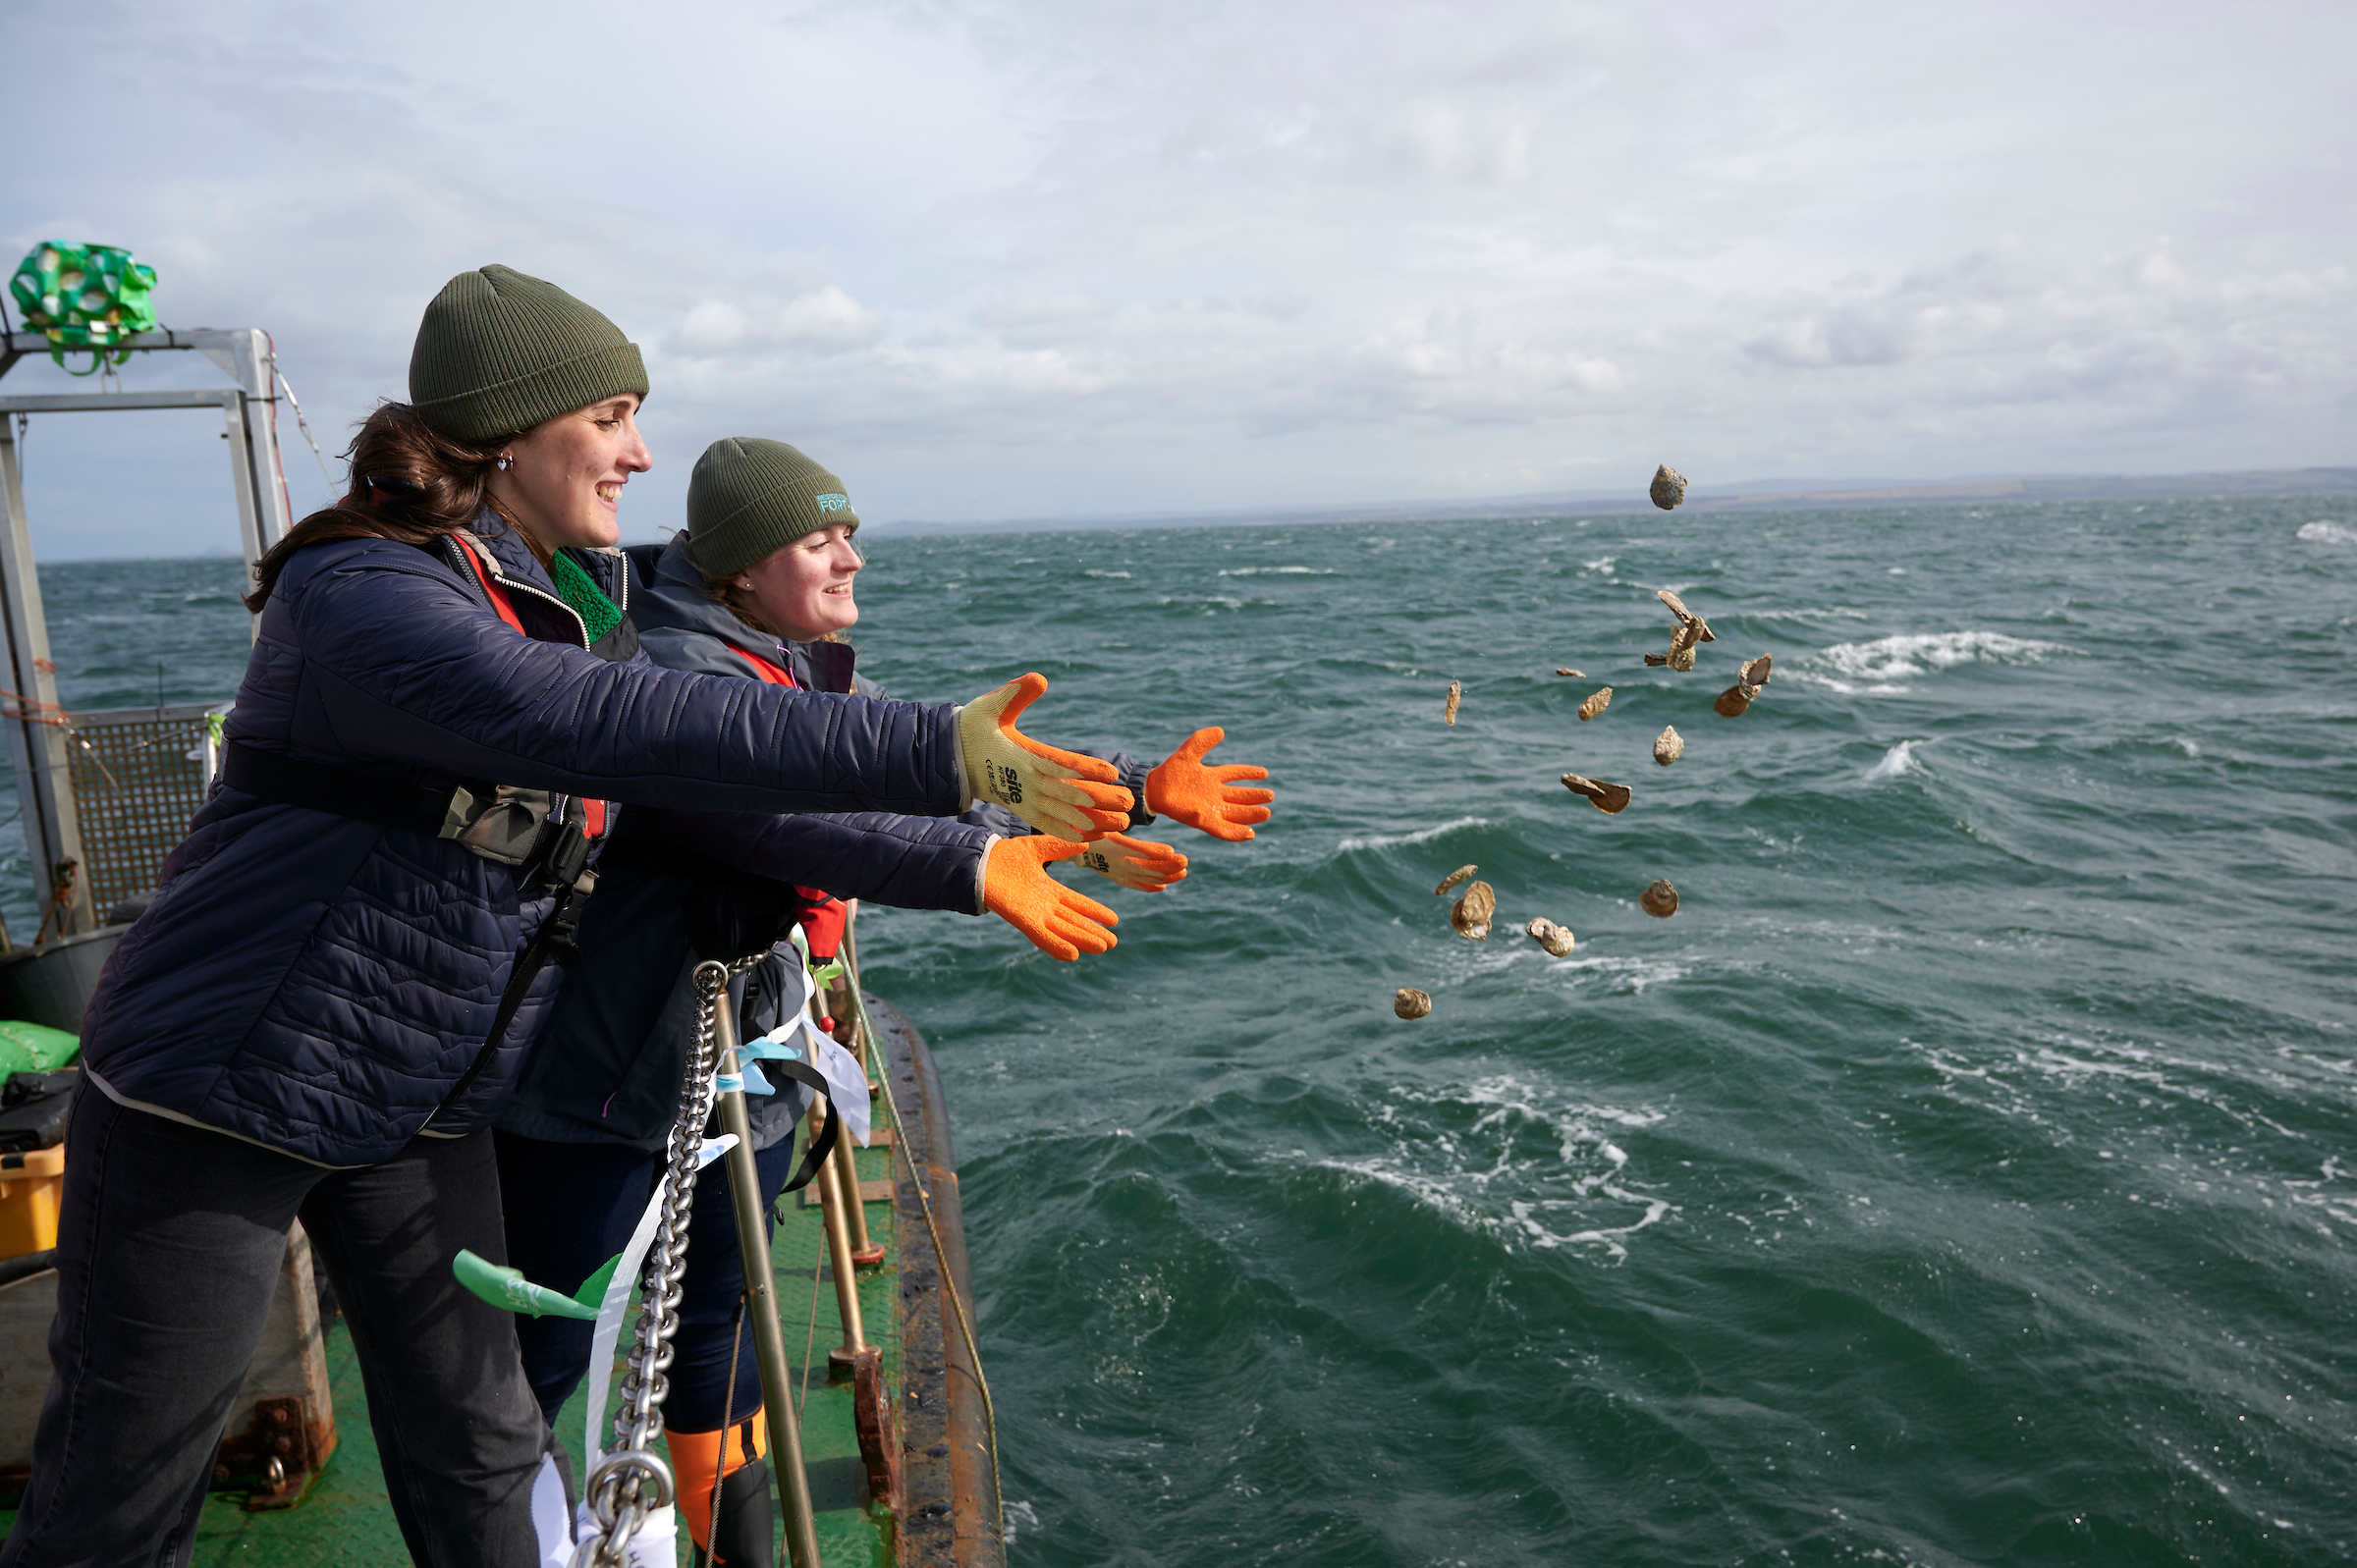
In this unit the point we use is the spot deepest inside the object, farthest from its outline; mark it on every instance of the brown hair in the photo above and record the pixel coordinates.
(409, 483)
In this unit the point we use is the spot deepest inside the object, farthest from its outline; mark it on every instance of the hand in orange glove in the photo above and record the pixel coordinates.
(1207, 797)
(1138, 863)
(1060, 793)
(1017, 887)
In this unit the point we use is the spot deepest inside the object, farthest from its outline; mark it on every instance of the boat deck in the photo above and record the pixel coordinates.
(346, 1520)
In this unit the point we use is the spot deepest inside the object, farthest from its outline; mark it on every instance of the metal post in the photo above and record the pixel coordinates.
(846, 1273)
(847, 1165)
(44, 787)
(769, 1341)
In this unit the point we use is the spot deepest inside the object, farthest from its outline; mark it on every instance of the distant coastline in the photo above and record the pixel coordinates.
(1752, 495)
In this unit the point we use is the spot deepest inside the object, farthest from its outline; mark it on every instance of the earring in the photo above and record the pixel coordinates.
(506, 462)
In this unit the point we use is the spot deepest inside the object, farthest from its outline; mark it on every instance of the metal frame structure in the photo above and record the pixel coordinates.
(249, 417)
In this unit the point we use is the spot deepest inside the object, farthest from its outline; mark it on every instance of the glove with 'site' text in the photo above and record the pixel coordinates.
(1138, 863)
(1058, 793)
(1017, 887)
(1209, 798)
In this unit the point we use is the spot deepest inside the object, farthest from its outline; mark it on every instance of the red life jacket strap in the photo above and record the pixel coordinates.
(772, 673)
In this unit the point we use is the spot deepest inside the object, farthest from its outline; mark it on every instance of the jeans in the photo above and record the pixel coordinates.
(572, 1206)
(169, 1245)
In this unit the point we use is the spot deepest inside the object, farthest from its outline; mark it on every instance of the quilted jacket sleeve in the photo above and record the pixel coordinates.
(907, 862)
(398, 665)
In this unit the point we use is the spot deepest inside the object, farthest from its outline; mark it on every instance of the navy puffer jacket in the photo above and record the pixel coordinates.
(319, 983)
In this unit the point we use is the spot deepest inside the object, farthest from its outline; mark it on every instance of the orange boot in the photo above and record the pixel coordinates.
(748, 1533)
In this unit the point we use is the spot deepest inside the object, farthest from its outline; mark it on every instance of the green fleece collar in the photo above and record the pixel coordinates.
(597, 611)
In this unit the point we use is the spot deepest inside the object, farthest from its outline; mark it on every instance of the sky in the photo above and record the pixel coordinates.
(1064, 259)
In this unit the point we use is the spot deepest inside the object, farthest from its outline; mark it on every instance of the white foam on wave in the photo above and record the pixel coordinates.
(1896, 763)
(1600, 563)
(1093, 573)
(1279, 571)
(1212, 602)
(1550, 1201)
(2324, 531)
(1420, 835)
(1884, 665)
(1632, 975)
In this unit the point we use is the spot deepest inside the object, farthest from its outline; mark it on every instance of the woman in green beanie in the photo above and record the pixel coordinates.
(758, 588)
(329, 999)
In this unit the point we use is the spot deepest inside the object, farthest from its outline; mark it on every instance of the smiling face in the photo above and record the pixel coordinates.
(563, 483)
(804, 590)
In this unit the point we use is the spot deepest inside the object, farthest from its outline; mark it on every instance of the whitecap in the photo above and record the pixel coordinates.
(1600, 563)
(1896, 763)
(2324, 531)
(1279, 571)
(1420, 835)
(1881, 666)
(1093, 573)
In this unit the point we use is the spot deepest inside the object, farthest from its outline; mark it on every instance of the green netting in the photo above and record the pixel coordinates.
(83, 297)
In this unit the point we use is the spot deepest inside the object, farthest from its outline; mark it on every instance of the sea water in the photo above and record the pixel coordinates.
(1966, 1174)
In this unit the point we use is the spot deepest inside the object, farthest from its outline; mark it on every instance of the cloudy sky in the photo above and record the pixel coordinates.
(1054, 258)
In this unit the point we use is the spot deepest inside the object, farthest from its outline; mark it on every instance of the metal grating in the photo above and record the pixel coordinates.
(138, 776)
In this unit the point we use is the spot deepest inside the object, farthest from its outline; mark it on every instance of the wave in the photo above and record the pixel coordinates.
(1092, 573)
(1279, 571)
(1898, 762)
(1882, 668)
(1420, 835)
(2324, 531)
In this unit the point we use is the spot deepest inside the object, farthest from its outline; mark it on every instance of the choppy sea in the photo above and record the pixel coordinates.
(1966, 1174)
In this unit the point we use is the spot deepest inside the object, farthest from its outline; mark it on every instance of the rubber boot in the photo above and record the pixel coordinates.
(748, 1521)
(695, 1458)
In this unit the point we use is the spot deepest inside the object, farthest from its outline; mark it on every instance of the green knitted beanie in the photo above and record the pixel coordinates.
(498, 352)
(748, 497)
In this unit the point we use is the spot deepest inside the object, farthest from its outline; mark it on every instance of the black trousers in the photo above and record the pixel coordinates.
(169, 1245)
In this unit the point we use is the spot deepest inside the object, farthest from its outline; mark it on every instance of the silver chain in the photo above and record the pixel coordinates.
(633, 1481)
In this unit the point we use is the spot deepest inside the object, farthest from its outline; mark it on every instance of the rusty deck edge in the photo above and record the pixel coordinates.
(947, 1518)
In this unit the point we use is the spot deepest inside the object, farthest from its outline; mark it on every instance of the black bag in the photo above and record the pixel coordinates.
(34, 1106)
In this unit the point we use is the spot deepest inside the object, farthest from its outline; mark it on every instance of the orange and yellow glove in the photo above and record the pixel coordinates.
(1058, 793)
(1138, 863)
(1209, 798)
(1017, 887)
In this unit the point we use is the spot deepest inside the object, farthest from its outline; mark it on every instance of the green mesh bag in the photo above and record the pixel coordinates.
(83, 297)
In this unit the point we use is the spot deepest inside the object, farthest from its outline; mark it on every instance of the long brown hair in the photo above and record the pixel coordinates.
(409, 483)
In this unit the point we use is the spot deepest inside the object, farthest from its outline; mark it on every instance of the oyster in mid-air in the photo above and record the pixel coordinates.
(1555, 939)
(1411, 1003)
(1452, 878)
(1659, 901)
(1669, 745)
(1456, 691)
(1598, 700)
(1472, 914)
(1574, 673)
(1669, 488)
(1609, 797)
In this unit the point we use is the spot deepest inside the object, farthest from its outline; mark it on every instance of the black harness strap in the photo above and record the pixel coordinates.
(824, 1143)
(563, 861)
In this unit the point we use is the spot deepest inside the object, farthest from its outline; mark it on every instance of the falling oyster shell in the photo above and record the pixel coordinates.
(1755, 674)
(1659, 901)
(1682, 647)
(1557, 940)
(1472, 914)
(1735, 700)
(1657, 660)
(1609, 797)
(1452, 878)
(1598, 701)
(1686, 618)
(1669, 488)
(1411, 1003)
(1456, 691)
(1669, 745)
(1575, 675)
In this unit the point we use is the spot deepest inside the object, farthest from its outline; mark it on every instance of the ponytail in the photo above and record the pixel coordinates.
(409, 483)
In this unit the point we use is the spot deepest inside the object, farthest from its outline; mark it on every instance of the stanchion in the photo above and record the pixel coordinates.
(769, 1340)
(842, 1359)
(865, 1252)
